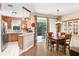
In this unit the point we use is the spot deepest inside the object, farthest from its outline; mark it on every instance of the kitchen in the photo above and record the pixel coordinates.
(18, 28)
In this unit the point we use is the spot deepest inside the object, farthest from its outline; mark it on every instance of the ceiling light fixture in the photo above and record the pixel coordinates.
(58, 17)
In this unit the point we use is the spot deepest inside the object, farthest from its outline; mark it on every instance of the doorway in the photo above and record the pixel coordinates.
(41, 29)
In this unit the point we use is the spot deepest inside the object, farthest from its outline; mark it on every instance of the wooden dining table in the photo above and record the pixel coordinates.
(57, 39)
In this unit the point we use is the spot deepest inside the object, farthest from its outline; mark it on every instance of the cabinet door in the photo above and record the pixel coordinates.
(65, 25)
(14, 37)
(9, 37)
(75, 27)
(70, 27)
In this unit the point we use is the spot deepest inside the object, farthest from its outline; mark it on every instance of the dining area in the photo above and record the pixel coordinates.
(60, 41)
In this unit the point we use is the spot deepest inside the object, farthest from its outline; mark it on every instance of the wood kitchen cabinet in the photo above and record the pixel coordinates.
(12, 37)
(20, 42)
(8, 20)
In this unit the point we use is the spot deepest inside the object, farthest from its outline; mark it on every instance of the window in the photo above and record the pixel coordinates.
(16, 25)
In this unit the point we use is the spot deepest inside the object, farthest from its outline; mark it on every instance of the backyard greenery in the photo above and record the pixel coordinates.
(41, 29)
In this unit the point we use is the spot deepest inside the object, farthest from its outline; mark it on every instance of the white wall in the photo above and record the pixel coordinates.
(52, 25)
(71, 16)
(75, 39)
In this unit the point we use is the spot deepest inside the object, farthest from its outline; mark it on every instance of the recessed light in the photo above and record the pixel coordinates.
(10, 5)
(14, 12)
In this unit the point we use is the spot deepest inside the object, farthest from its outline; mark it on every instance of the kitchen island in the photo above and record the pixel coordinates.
(25, 41)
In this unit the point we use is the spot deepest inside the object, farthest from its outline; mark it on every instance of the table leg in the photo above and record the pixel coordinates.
(57, 46)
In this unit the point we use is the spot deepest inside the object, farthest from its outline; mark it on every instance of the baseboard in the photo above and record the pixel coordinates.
(74, 51)
(25, 50)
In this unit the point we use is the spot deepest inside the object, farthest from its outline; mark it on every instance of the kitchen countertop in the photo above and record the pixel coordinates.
(14, 32)
(24, 33)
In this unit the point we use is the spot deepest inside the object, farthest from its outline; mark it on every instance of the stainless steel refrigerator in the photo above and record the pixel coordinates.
(4, 38)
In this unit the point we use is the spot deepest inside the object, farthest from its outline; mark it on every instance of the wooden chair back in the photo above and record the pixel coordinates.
(50, 34)
(62, 33)
(68, 38)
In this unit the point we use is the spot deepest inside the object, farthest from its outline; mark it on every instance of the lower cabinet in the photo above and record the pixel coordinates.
(12, 37)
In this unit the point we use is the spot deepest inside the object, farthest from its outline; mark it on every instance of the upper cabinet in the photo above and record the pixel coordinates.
(8, 20)
(71, 26)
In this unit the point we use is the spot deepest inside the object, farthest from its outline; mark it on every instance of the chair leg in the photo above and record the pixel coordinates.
(64, 48)
(69, 47)
(52, 46)
(48, 43)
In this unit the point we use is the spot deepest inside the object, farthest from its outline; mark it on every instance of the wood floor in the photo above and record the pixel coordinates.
(42, 50)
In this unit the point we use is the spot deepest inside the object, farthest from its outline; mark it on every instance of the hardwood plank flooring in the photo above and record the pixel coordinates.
(43, 50)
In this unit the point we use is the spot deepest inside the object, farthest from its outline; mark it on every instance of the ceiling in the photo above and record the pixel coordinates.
(42, 8)
(8, 8)
(51, 8)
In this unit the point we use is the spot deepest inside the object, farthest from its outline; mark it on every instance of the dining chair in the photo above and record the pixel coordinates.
(62, 34)
(51, 42)
(49, 37)
(66, 42)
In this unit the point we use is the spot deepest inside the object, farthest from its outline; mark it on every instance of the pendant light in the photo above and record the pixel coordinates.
(58, 17)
